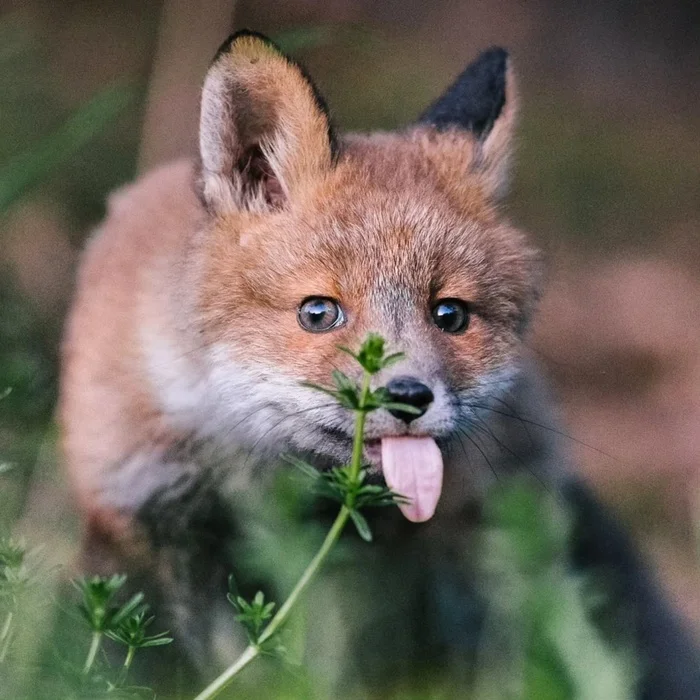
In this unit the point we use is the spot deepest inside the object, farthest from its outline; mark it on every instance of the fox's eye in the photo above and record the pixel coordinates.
(451, 315)
(318, 314)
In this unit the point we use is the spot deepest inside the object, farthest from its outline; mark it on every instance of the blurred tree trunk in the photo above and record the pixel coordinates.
(189, 34)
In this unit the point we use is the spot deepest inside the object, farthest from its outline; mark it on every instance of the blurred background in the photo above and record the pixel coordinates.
(607, 182)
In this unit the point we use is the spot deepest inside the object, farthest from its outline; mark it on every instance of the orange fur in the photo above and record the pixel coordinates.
(107, 408)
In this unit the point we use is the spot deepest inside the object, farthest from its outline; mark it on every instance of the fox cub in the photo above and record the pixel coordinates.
(216, 288)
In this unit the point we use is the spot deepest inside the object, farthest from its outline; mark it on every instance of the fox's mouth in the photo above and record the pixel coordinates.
(373, 453)
(412, 466)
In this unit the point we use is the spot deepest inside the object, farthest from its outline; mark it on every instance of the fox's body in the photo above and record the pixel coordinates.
(186, 349)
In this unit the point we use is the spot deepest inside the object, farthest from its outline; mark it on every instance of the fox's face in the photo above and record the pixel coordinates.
(312, 242)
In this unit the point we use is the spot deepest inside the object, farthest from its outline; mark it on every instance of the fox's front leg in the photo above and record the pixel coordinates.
(175, 547)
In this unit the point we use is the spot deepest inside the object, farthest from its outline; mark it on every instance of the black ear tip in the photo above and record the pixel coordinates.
(496, 58)
(475, 99)
(241, 33)
(489, 67)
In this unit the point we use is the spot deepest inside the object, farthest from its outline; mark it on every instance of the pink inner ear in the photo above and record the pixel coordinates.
(257, 174)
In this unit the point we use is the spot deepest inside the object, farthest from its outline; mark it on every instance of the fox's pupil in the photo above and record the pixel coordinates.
(451, 315)
(318, 314)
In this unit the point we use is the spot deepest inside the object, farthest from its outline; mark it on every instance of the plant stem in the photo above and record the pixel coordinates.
(254, 650)
(218, 684)
(358, 444)
(6, 626)
(129, 658)
(92, 654)
(124, 671)
(5, 635)
(283, 613)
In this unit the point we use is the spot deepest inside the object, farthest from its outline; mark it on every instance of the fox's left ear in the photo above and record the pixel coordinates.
(483, 102)
(264, 133)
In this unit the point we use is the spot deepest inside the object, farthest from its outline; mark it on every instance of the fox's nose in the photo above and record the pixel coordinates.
(412, 392)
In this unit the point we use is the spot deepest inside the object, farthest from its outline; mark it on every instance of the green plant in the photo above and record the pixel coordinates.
(19, 573)
(344, 484)
(540, 609)
(253, 615)
(131, 632)
(125, 623)
(30, 167)
(34, 161)
(100, 611)
(536, 607)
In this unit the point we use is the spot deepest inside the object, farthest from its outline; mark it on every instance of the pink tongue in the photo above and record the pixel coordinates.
(412, 467)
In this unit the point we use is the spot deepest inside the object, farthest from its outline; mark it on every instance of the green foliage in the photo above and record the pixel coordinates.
(30, 167)
(44, 146)
(350, 394)
(253, 615)
(126, 623)
(12, 556)
(539, 609)
(344, 484)
(19, 570)
(5, 467)
(371, 356)
(538, 612)
(132, 631)
(40, 136)
(22, 573)
(312, 36)
(339, 484)
(98, 605)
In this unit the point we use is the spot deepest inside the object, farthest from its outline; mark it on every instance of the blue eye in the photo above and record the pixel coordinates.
(451, 315)
(319, 314)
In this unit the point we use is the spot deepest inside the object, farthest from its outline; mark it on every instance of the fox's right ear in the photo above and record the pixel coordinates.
(264, 131)
(482, 102)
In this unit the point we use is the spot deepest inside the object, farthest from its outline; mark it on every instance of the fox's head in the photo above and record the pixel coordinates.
(314, 239)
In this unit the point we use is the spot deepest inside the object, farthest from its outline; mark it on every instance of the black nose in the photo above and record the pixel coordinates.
(409, 391)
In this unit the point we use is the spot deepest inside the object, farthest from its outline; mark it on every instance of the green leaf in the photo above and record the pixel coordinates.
(98, 606)
(252, 615)
(372, 488)
(342, 381)
(361, 524)
(390, 360)
(371, 353)
(304, 467)
(33, 165)
(132, 632)
(406, 408)
(12, 555)
(157, 641)
(129, 608)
